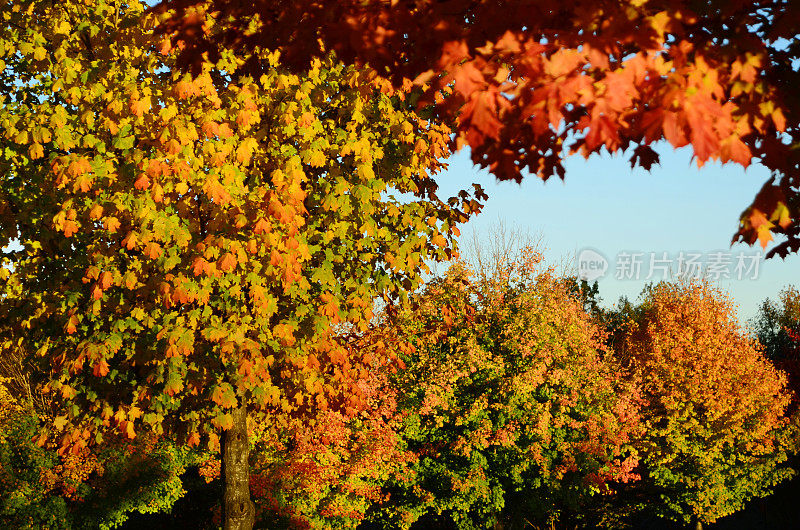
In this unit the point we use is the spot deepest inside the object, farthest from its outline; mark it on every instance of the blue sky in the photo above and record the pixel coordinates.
(604, 205)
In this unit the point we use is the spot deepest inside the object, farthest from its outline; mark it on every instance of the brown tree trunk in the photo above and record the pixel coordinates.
(238, 511)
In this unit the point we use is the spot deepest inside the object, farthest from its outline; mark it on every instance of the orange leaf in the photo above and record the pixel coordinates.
(262, 226)
(79, 167)
(130, 241)
(142, 182)
(739, 152)
(194, 439)
(217, 192)
(764, 234)
(105, 280)
(101, 368)
(139, 106)
(779, 120)
(198, 266)
(112, 224)
(164, 46)
(152, 250)
(173, 147)
(223, 396)
(227, 263)
(70, 327)
(70, 228)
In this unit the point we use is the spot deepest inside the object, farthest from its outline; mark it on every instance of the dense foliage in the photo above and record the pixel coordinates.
(533, 81)
(226, 254)
(190, 249)
(198, 249)
(505, 407)
(514, 411)
(716, 430)
(326, 468)
(40, 488)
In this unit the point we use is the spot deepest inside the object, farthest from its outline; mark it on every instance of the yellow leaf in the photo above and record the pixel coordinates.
(365, 172)
(36, 151)
(317, 159)
(224, 421)
(60, 422)
(781, 215)
(62, 27)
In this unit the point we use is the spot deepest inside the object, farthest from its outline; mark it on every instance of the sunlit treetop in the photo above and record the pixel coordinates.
(514, 409)
(717, 430)
(192, 242)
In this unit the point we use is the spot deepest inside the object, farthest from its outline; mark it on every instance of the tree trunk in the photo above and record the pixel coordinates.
(698, 525)
(238, 511)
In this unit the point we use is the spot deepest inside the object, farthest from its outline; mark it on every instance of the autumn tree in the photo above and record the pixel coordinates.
(531, 81)
(716, 430)
(513, 410)
(325, 469)
(181, 250)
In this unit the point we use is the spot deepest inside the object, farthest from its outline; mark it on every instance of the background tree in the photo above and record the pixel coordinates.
(776, 321)
(531, 82)
(515, 413)
(777, 328)
(717, 433)
(186, 246)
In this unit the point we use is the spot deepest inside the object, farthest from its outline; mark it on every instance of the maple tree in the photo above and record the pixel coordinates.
(186, 249)
(515, 413)
(325, 469)
(717, 433)
(531, 81)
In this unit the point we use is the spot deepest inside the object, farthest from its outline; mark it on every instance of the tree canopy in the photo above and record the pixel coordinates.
(516, 413)
(716, 429)
(531, 81)
(186, 244)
